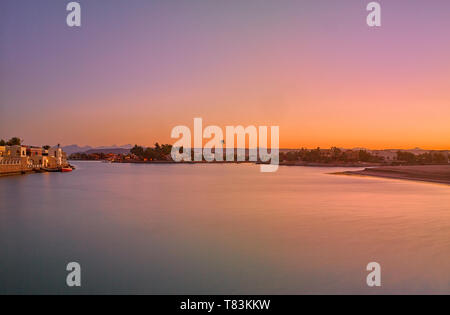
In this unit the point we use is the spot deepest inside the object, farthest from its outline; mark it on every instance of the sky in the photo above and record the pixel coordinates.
(137, 68)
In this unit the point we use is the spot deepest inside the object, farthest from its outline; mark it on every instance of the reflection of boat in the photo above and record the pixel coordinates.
(66, 169)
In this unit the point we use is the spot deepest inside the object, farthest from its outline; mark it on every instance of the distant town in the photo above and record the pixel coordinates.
(328, 157)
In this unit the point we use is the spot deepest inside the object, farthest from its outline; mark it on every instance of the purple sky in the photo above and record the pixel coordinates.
(135, 69)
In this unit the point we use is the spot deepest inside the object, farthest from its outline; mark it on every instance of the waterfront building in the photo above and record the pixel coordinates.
(35, 161)
(16, 151)
(352, 155)
(56, 157)
(386, 155)
(13, 159)
(34, 151)
(18, 159)
(35, 158)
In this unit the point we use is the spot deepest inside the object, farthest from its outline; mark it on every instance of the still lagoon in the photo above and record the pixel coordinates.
(221, 229)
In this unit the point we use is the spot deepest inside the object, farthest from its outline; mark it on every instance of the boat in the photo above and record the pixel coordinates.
(50, 169)
(58, 169)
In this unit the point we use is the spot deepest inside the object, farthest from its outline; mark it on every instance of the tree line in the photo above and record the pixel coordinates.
(326, 156)
(157, 153)
(337, 155)
(12, 141)
(424, 158)
(17, 141)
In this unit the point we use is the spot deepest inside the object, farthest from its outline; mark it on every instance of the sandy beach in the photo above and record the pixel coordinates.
(427, 173)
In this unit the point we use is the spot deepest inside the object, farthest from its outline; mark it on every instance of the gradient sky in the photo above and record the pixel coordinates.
(137, 68)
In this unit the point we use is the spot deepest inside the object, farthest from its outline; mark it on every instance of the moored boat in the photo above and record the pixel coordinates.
(50, 169)
(66, 169)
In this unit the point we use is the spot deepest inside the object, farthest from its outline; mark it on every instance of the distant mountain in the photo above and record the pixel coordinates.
(417, 151)
(108, 150)
(74, 148)
(125, 146)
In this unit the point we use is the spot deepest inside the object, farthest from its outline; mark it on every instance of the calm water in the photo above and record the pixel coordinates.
(221, 229)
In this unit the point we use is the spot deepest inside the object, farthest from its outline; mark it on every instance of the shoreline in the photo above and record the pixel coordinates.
(33, 171)
(424, 173)
(331, 164)
(310, 164)
(16, 173)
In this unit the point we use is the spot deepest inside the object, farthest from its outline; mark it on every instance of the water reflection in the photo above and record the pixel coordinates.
(215, 229)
